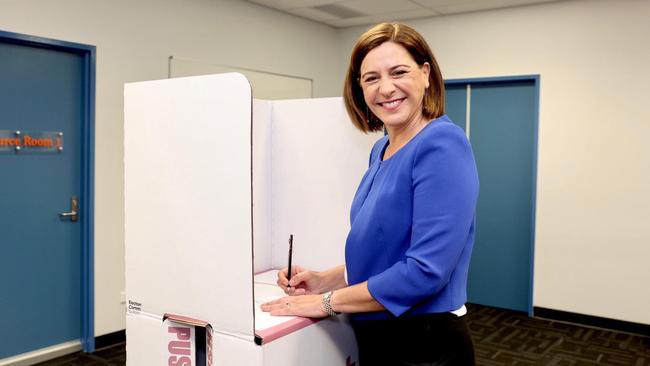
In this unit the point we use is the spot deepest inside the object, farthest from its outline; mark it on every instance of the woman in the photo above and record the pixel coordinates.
(412, 218)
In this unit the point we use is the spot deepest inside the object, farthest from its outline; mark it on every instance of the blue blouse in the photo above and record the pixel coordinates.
(412, 223)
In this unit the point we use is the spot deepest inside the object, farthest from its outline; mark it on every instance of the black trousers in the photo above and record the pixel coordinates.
(431, 339)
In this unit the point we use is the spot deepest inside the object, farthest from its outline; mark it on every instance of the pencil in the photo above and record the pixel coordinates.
(290, 255)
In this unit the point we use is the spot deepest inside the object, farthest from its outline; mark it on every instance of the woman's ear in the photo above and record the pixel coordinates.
(426, 70)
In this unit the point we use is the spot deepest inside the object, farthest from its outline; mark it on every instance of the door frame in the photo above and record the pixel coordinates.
(87, 194)
(536, 82)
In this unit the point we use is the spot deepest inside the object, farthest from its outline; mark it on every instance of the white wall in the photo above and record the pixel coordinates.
(134, 40)
(593, 199)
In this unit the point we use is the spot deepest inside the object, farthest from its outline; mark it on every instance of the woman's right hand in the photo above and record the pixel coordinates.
(303, 281)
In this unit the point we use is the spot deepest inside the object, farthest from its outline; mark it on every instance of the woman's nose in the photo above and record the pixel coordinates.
(386, 86)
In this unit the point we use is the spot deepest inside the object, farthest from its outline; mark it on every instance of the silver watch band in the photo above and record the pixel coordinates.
(327, 306)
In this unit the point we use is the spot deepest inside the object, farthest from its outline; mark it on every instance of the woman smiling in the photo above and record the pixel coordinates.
(412, 218)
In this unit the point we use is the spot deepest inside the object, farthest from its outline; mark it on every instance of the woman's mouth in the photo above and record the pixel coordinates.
(391, 104)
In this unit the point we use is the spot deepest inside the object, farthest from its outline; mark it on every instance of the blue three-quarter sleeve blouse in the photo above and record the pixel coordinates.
(412, 223)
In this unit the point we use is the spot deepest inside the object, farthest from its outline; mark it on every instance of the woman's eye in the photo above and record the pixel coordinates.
(369, 79)
(400, 72)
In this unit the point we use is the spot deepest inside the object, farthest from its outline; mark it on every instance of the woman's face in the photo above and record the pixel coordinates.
(393, 85)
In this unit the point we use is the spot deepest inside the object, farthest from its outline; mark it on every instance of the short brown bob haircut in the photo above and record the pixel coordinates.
(433, 105)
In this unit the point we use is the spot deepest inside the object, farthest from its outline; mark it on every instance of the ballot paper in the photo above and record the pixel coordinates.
(269, 327)
(266, 289)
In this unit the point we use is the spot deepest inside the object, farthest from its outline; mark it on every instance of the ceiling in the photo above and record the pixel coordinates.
(347, 13)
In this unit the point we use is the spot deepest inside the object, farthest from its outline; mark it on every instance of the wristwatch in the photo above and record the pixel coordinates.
(327, 306)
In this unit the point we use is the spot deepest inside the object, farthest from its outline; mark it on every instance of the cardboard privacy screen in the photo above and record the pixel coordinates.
(188, 231)
(214, 184)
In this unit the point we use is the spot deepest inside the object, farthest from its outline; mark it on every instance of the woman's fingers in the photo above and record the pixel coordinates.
(282, 274)
(294, 291)
(275, 306)
(307, 306)
(299, 278)
(283, 282)
(297, 285)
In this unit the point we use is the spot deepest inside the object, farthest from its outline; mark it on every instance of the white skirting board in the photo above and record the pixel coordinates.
(42, 355)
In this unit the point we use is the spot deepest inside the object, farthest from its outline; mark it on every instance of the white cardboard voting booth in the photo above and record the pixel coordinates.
(214, 184)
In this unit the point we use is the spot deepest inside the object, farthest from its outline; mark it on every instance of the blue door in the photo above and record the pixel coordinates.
(502, 129)
(456, 104)
(44, 104)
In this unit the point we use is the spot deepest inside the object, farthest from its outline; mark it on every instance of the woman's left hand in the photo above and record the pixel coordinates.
(309, 306)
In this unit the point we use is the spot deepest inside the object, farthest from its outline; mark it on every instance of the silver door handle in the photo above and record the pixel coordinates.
(73, 215)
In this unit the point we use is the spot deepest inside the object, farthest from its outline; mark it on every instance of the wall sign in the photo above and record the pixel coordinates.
(22, 141)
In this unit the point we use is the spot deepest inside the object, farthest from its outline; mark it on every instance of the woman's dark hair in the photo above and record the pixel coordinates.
(433, 104)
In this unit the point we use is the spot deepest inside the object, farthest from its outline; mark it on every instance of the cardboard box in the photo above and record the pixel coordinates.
(214, 184)
(181, 341)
